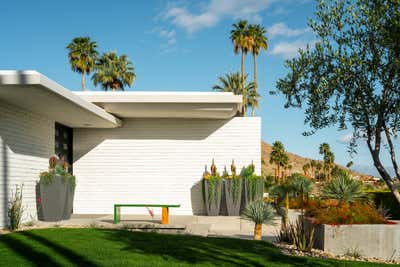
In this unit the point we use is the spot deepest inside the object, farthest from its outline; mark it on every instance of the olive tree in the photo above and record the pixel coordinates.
(350, 77)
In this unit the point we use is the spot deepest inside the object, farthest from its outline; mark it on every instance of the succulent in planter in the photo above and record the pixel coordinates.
(253, 185)
(55, 191)
(233, 169)
(233, 194)
(212, 191)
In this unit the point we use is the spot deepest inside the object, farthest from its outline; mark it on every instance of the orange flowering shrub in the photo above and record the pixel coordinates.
(330, 212)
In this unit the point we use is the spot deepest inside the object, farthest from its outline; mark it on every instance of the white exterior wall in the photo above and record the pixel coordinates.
(158, 161)
(26, 142)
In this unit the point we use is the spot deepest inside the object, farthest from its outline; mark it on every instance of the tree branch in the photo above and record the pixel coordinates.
(392, 153)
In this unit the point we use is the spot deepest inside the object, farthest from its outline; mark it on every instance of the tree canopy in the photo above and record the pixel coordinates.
(350, 77)
(114, 72)
(82, 56)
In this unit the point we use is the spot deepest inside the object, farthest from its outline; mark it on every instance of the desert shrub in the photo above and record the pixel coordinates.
(387, 200)
(296, 203)
(346, 213)
(15, 208)
(344, 189)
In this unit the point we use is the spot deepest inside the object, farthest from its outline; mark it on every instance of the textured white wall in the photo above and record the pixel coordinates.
(26, 142)
(158, 161)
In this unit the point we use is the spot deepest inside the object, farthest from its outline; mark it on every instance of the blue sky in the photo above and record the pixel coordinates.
(174, 45)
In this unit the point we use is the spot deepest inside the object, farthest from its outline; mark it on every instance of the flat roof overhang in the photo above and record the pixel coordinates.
(35, 92)
(210, 105)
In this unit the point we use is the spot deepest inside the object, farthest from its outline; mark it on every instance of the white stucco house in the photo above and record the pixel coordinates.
(129, 147)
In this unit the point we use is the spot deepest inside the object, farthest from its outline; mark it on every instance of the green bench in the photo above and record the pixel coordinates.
(164, 216)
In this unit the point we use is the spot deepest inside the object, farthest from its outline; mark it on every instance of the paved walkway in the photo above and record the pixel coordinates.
(230, 226)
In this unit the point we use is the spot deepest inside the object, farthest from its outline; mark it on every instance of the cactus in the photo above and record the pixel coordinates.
(206, 174)
(53, 161)
(225, 173)
(213, 168)
(233, 169)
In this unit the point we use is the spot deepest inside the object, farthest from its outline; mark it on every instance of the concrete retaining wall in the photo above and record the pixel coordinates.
(370, 240)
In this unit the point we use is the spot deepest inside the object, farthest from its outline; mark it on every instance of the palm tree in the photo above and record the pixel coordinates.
(258, 42)
(278, 157)
(113, 72)
(318, 167)
(329, 159)
(306, 168)
(231, 82)
(241, 42)
(82, 56)
(313, 164)
(253, 99)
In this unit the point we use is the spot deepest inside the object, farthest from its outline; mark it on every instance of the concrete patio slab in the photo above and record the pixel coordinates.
(220, 226)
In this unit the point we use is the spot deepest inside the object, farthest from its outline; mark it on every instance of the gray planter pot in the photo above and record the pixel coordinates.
(253, 190)
(212, 201)
(53, 197)
(69, 202)
(233, 195)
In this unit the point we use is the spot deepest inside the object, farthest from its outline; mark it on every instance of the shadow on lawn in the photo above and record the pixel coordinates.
(29, 251)
(216, 251)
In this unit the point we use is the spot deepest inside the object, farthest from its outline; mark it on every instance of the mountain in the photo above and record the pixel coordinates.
(371, 170)
(297, 163)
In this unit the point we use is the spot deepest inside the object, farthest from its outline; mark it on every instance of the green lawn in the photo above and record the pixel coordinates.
(97, 247)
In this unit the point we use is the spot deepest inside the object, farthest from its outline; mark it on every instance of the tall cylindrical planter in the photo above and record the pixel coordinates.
(233, 195)
(53, 198)
(212, 189)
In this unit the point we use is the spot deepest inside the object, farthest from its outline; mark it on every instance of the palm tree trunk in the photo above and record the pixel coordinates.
(83, 80)
(252, 110)
(255, 71)
(279, 174)
(244, 102)
(242, 68)
(257, 231)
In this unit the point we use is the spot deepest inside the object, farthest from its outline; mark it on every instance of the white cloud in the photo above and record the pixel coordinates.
(214, 11)
(283, 30)
(170, 40)
(170, 36)
(289, 49)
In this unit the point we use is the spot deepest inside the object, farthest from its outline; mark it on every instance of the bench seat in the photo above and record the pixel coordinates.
(164, 207)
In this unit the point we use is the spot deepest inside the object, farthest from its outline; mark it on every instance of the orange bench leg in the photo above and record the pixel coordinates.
(164, 215)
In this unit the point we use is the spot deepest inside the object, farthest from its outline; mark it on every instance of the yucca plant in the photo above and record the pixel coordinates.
(15, 208)
(260, 213)
(344, 189)
(301, 237)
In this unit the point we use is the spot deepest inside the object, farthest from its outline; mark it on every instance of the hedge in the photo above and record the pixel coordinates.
(388, 201)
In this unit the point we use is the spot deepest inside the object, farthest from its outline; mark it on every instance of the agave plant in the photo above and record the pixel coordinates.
(344, 189)
(300, 236)
(260, 213)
